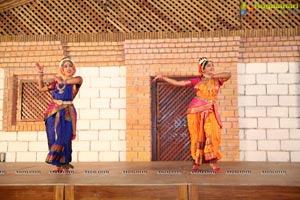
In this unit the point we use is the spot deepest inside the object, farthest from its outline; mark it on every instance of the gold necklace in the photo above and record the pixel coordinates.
(209, 86)
(60, 90)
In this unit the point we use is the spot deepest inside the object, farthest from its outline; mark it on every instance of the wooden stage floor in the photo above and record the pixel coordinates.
(150, 180)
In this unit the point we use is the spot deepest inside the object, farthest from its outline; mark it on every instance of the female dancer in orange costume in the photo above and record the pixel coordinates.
(204, 121)
(61, 116)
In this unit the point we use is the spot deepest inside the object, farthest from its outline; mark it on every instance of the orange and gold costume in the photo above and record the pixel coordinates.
(204, 121)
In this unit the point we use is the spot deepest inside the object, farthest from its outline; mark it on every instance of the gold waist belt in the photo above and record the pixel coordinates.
(208, 100)
(61, 102)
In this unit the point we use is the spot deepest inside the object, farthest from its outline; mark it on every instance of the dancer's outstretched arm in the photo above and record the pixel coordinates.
(172, 81)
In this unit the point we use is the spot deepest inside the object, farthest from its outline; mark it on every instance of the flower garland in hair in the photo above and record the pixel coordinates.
(60, 71)
(202, 64)
(65, 59)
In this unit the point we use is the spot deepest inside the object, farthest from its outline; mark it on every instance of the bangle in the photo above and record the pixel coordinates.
(41, 73)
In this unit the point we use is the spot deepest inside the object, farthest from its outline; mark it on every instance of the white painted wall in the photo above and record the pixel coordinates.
(269, 109)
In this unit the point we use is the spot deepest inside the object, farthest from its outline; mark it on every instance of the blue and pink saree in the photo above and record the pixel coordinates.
(60, 121)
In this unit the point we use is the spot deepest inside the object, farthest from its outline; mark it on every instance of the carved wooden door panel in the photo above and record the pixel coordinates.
(169, 131)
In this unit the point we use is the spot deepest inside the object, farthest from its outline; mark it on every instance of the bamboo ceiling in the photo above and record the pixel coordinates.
(82, 17)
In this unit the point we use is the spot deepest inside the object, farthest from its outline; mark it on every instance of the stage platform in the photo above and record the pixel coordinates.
(150, 181)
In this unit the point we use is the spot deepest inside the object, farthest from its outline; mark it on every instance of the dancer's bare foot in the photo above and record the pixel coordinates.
(58, 170)
(215, 168)
(66, 168)
(195, 168)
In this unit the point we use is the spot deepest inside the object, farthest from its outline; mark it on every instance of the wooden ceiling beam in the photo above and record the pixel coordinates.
(10, 4)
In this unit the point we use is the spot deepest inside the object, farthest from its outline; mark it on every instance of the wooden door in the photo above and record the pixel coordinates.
(170, 136)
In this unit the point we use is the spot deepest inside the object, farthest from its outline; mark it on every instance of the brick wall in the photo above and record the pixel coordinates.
(177, 57)
(269, 49)
(269, 96)
(3, 143)
(100, 102)
(269, 111)
(18, 62)
(259, 105)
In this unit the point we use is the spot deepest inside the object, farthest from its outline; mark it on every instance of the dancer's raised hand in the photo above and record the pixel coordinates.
(40, 68)
(158, 77)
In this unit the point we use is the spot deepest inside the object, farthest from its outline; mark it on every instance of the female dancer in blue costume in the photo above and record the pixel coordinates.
(60, 116)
